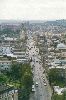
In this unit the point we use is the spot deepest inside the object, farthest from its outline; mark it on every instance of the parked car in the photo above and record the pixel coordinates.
(33, 88)
(36, 60)
(45, 84)
(36, 84)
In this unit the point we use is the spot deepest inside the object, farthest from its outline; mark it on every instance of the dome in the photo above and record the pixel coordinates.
(61, 45)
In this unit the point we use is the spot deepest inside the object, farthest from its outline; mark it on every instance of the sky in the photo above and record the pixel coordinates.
(33, 9)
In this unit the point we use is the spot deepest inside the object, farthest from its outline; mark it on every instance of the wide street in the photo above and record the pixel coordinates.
(42, 91)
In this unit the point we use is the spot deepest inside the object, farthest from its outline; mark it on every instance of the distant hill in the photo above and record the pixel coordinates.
(11, 21)
(57, 23)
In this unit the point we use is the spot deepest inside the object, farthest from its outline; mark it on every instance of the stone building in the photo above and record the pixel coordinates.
(8, 92)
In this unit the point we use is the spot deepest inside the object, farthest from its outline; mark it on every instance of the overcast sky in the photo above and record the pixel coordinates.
(33, 9)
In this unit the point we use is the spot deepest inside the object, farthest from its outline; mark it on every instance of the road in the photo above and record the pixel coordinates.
(42, 92)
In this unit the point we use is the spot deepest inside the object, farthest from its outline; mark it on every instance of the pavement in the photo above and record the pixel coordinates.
(42, 92)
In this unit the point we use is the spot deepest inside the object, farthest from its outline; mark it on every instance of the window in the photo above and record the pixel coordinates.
(2, 66)
(5, 68)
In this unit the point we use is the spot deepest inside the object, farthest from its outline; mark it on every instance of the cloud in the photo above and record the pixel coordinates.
(32, 9)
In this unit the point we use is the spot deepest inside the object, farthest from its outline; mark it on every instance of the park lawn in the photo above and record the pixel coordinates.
(57, 97)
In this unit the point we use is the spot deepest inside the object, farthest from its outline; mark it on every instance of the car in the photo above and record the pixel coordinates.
(36, 50)
(29, 48)
(43, 78)
(44, 81)
(36, 60)
(36, 84)
(45, 84)
(33, 88)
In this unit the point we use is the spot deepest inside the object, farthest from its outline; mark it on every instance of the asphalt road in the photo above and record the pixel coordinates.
(42, 92)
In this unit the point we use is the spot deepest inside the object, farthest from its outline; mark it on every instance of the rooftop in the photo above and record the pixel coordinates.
(61, 45)
(59, 90)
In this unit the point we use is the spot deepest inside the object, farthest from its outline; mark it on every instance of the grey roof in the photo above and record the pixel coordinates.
(61, 45)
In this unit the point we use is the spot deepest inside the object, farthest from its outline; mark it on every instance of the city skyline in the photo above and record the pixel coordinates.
(32, 9)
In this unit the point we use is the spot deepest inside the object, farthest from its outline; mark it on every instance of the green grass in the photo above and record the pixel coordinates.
(59, 83)
(15, 84)
(57, 97)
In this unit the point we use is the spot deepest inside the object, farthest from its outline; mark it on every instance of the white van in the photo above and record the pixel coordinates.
(33, 88)
(36, 84)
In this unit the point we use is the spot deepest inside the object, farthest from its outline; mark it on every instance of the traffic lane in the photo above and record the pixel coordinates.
(39, 92)
(36, 71)
(42, 98)
(33, 50)
(44, 93)
(36, 95)
(36, 79)
(32, 96)
(41, 86)
(42, 89)
(47, 93)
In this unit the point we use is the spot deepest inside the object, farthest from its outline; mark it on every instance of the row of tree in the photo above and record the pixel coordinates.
(9, 32)
(21, 77)
(56, 77)
(59, 97)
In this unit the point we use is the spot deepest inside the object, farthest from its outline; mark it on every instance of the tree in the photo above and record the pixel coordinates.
(15, 72)
(27, 80)
(64, 95)
(21, 73)
(3, 78)
(56, 77)
(57, 97)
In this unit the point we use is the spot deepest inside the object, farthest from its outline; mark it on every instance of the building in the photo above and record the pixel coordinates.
(61, 46)
(60, 51)
(59, 90)
(8, 92)
(5, 65)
